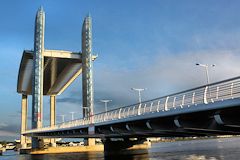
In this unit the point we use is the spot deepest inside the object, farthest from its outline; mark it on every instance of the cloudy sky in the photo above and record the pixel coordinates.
(149, 44)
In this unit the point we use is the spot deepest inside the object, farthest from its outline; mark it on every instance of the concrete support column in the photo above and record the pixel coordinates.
(52, 117)
(89, 141)
(52, 110)
(53, 99)
(24, 120)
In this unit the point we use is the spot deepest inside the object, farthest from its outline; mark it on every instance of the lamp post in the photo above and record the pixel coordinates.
(139, 90)
(105, 101)
(72, 115)
(206, 69)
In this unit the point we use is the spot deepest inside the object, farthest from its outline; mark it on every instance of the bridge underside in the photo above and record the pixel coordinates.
(60, 69)
(208, 120)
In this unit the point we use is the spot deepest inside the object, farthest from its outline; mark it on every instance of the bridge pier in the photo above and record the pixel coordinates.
(89, 142)
(23, 138)
(52, 117)
(125, 146)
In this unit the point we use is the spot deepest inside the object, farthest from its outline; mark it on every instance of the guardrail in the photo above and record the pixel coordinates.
(219, 91)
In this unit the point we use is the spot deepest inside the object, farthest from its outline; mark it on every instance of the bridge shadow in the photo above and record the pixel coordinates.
(87, 156)
(143, 156)
(128, 155)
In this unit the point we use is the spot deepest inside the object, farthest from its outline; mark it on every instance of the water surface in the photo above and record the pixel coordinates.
(211, 149)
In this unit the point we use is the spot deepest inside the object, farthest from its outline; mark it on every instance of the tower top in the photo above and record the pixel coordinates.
(88, 15)
(40, 9)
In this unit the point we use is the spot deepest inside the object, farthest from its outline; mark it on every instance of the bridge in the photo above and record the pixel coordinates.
(208, 110)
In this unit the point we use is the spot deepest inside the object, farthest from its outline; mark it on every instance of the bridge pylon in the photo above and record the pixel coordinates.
(87, 77)
(37, 80)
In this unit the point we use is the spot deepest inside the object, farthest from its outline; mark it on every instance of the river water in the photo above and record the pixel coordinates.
(211, 149)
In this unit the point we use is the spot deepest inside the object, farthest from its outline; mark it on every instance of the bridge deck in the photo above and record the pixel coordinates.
(208, 100)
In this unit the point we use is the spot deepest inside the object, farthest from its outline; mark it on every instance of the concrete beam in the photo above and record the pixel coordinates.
(61, 54)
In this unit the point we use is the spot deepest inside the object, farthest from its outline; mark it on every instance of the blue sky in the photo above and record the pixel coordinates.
(140, 43)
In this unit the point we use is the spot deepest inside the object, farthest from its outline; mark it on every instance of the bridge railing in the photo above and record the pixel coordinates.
(220, 91)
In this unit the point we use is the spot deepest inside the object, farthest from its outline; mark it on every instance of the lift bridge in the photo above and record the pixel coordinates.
(208, 110)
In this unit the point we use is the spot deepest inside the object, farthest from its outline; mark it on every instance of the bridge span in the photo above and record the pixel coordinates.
(208, 110)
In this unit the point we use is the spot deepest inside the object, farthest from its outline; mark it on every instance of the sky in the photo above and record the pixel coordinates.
(149, 44)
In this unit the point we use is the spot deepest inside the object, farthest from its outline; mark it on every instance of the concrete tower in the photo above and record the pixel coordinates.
(37, 81)
(87, 75)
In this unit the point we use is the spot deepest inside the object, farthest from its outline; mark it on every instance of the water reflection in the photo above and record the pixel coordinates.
(212, 149)
(70, 156)
(196, 157)
(87, 156)
(144, 156)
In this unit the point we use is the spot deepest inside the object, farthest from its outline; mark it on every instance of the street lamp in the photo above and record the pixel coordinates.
(139, 90)
(206, 69)
(63, 116)
(105, 101)
(72, 115)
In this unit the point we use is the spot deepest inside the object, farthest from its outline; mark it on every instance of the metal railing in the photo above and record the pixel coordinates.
(219, 91)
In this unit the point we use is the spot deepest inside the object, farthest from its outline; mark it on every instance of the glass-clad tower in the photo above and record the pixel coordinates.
(37, 81)
(87, 75)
